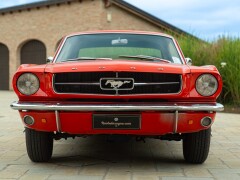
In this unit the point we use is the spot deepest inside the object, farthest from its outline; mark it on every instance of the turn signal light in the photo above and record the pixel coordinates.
(44, 121)
(190, 122)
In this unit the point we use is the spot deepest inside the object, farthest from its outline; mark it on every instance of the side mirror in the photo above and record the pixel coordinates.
(189, 61)
(50, 59)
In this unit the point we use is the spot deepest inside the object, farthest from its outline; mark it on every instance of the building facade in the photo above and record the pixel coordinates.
(29, 33)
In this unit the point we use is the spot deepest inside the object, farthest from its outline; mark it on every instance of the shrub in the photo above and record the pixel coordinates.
(224, 54)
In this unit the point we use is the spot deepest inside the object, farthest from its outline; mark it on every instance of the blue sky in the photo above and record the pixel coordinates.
(206, 19)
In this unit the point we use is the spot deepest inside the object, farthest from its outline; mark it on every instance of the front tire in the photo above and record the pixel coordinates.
(196, 146)
(39, 145)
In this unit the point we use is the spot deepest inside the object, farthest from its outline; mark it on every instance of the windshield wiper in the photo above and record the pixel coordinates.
(146, 57)
(86, 58)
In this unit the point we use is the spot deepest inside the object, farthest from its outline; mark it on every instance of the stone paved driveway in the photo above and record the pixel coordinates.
(95, 158)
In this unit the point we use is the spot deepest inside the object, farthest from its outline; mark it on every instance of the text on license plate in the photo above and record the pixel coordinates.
(116, 121)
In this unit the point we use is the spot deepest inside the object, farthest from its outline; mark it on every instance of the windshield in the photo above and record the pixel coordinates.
(114, 46)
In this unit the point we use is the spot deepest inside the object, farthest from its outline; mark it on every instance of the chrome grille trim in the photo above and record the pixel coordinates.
(137, 84)
(145, 84)
(78, 83)
(98, 84)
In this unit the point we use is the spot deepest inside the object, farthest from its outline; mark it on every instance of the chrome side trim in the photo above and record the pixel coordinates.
(58, 123)
(215, 107)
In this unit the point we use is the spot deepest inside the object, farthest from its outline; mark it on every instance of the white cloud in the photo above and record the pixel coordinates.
(203, 17)
(166, 6)
(10, 3)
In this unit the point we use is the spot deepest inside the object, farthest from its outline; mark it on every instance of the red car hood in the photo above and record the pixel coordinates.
(117, 65)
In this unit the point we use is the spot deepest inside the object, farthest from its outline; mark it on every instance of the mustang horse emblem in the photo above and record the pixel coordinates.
(116, 84)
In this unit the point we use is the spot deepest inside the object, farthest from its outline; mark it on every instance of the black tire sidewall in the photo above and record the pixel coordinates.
(196, 146)
(39, 145)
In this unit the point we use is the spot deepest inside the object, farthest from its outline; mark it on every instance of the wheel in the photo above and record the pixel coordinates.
(196, 146)
(39, 145)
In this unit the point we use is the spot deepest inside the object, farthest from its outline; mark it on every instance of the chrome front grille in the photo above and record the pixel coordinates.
(143, 83)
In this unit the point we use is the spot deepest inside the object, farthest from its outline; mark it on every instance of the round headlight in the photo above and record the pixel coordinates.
(28, 83)
(206, 85)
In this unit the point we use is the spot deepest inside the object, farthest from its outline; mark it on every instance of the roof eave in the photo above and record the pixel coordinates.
(43, 3)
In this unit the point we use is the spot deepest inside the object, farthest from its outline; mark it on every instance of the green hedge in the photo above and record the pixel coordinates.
(224, 53)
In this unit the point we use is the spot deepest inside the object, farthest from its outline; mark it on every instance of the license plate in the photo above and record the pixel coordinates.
(116, 121)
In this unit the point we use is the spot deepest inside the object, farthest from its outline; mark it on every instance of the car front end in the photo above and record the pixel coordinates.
(118, 82)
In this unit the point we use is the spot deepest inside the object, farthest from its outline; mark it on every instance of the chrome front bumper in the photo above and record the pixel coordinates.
(215, 107)
(176, 108)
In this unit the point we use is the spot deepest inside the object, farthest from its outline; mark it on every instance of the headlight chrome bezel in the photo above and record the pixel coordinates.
(28, 83)
(199, 86)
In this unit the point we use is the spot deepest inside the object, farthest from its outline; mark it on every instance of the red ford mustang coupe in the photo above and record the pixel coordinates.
(118, 83)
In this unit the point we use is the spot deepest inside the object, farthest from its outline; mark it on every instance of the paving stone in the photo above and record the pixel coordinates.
(78, 177)
(151, 177)
(224, 176)
(197, 172)
(224, 171)
(98, 170)
(12, 174)
(158, 174)
(185, 178)
(34, 176)
(143, 166)
(123, 166)
(2, 166)
(118, 175)
(96, 158)
(233, 163)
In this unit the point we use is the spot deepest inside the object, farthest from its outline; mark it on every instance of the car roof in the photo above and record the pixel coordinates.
(120, 31)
